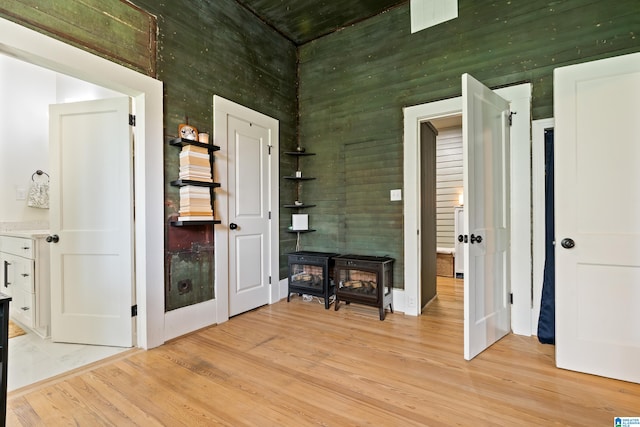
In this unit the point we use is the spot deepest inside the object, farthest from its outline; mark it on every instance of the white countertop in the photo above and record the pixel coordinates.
(33, 234)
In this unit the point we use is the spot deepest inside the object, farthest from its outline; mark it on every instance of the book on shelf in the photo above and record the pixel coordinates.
(197, 161)
(196, 218)
(194, 149)
(194, 189)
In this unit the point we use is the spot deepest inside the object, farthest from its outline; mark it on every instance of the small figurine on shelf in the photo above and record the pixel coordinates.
(188, 132)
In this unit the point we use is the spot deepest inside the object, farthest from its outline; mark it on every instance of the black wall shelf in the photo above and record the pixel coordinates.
(302, 206)
(299, 178)
(181, 142)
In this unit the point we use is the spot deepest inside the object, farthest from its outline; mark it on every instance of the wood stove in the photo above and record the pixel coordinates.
(364, 280)
(311, 273)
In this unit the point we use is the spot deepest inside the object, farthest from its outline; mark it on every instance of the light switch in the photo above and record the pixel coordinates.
(396, 195)
(21, 194)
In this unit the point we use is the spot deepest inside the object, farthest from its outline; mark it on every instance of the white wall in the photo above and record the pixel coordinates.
(26, 91)
(448, 183)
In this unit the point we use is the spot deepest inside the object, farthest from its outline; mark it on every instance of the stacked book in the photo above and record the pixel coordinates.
(195, 201)
(195, 164)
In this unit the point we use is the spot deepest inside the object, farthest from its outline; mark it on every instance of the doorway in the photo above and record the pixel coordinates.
(441, 170)
(520, 207)
(249, 231)
(34, 356)
(32, 47)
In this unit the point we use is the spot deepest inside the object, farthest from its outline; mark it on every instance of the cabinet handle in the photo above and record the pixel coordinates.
(24, 275)
(6, 274)
(26, 247)
(25, 308)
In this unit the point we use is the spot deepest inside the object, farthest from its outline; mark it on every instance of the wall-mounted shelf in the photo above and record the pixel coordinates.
(298, 205)
(299, 178)
(191, 223)
(299, 153)
(180, 143)
(294, 206)
(183, 182)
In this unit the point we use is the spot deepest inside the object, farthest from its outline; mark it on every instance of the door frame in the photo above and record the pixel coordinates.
(520, 98)
(221, 109)
(38, 49)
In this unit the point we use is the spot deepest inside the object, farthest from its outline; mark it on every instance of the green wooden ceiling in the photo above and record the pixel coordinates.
(305, 20)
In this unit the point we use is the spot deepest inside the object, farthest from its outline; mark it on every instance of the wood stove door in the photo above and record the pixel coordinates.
(485, 130)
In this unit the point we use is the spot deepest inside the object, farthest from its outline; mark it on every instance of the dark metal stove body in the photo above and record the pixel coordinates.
(364, 280)
(311, 273)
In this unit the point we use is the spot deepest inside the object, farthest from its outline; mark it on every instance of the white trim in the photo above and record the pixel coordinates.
(539, 205)
(30, 46)
(222, 108)
(520, 98)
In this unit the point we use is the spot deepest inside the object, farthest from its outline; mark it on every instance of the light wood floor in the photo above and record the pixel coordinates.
(297, 364)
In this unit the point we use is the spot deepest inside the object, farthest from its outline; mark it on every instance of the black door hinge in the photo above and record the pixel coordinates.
(132, 120)
(511, 117)
(269, 149)
(511, 298)
(134, 310)
(269, 279)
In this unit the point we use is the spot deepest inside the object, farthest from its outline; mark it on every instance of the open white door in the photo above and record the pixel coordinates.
(92, 217)
(597, 212)
(485, 140)
(249, 201)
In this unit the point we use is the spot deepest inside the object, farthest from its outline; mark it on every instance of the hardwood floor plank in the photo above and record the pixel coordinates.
(297, 364)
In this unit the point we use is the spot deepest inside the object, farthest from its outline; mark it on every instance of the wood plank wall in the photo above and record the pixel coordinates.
(355, 82)
(204, 48)
(116, 30)
(448, 184)
(208, 48)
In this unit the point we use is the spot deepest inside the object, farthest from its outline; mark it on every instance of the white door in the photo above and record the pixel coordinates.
(597, 206)
(485, 140)
(91, 213)
(249, 239)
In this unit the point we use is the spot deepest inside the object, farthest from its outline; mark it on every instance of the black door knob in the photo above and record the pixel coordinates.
(53, 238)
(475, 239)
(233, 226)
(568, 243)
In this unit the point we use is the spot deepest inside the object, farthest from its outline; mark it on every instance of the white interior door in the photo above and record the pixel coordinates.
(485, 139)
(249, 200)
(91, 212)
(597, 206)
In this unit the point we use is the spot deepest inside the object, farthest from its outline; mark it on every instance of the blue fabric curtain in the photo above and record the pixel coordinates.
(547, 319)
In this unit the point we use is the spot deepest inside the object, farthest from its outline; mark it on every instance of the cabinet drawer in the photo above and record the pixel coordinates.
(22, 307)
(24, 275)
(17, 246)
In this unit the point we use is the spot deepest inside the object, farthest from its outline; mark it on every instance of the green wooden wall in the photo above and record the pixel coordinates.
(355, 82)
(207, 48)
(115, 29)
(203, 48)
(347, 90)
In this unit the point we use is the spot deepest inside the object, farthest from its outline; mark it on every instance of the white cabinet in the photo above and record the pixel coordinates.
(25, 277)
